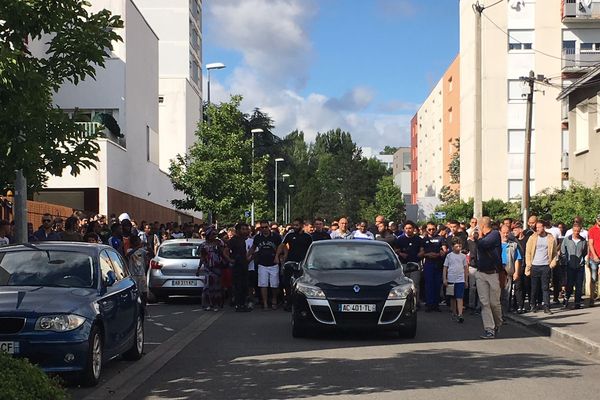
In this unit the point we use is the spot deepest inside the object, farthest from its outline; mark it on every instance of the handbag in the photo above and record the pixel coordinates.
(450, 289)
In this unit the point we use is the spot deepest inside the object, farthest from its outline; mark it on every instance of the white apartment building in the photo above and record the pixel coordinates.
(402, 172)
(517, 37)
(131, 175)
(385, 159)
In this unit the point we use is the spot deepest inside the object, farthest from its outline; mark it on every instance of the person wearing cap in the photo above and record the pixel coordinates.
(594, 257)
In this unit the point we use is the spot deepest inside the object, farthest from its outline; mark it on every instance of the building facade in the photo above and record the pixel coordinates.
(129, 176)
(402, 172)
(547, 37)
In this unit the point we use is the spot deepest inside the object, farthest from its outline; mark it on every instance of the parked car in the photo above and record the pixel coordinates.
(173, 270)
(352, 284)
(69, 307)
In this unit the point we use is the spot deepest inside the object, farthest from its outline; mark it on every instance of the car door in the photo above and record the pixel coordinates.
(128, 294)
(108, 305)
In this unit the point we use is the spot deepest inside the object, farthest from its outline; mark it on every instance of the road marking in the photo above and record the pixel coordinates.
(122, 385)
(197, 309)
(168, 329)
(178, 312)
(158, 324)
(152, 343)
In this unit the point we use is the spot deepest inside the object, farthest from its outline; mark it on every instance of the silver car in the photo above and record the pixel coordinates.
(173, 270)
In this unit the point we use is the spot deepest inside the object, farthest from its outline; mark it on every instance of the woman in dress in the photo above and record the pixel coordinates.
(213, 256)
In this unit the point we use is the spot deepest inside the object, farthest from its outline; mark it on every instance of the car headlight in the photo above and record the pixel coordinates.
(311, 292)
(59, 323)
(400, 292)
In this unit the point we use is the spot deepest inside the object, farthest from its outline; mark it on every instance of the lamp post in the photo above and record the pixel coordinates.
(277, 160)
(253, 131)
(289, 206)
(210, 67)
(283, 213)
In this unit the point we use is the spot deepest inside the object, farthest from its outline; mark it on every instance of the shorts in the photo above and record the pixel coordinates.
(268, 276)
(459, 290)
(227, 278)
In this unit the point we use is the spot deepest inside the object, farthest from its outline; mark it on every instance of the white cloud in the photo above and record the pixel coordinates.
(273, 38)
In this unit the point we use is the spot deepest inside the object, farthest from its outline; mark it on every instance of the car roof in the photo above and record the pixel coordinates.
(357, 242)
(190, 240)
(84, 247)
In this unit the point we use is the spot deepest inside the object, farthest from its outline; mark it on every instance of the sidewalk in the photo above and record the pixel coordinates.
(577, 329)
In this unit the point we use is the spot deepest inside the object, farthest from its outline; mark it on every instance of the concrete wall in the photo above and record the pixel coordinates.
(584, 164)
(451, 120)
(414, 156)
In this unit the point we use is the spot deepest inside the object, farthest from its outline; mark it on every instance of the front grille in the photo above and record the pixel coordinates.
(390, 314)
(9, 325)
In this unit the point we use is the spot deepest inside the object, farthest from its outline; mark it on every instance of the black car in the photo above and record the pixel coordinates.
(352, 284)
(69, 307)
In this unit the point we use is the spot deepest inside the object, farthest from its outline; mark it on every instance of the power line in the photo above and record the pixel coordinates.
(533, 49)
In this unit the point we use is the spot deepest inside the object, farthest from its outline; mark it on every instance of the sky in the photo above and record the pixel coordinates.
(361, 65)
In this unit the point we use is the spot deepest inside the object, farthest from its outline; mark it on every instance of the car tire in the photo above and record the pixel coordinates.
(137, 348)
(153, 299)
(409, 331)
(95, 358)
(298, 328)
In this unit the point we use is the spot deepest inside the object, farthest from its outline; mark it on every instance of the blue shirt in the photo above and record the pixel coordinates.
(411, 246)
(518, 256)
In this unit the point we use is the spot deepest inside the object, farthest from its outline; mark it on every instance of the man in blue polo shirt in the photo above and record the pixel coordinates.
(434, 250)
(409, 247)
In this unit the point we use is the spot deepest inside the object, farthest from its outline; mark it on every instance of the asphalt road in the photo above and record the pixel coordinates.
(253, 356)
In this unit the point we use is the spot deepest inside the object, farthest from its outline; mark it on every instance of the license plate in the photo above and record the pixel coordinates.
(9, 347)
(358, 308)
(185, 283)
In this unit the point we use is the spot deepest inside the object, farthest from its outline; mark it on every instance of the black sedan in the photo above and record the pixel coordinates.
(352, 284)
(69, 307)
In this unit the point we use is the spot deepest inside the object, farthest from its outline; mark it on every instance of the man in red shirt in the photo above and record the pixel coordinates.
(594, 244)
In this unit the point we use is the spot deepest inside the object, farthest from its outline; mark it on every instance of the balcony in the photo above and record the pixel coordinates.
(581, 11)
(97, 129)
(578, 62)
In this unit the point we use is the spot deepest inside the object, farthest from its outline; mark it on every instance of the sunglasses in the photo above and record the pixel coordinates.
(431, 230)
(46, 220)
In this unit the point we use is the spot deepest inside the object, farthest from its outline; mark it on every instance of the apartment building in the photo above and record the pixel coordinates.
(136, 142)
(401, 170)
(558, 39)
(435, 129)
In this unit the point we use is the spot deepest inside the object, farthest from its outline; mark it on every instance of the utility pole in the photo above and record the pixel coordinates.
(20, 207)
(527, 162)
(477, 156)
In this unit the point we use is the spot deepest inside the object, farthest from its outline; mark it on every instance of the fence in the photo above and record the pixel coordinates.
(35, 210)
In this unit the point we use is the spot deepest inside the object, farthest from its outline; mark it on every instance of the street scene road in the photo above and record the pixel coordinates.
(253, 356)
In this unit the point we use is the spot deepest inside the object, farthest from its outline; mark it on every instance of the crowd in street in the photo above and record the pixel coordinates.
(490, 268)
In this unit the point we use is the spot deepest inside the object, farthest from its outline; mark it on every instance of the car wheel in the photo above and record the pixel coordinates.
(153, 299)
(298, 328)
(95, 355)
(409, 331)
(137, 348)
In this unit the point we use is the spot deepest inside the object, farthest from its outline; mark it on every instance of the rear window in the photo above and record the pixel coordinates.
(345, 256)
(179, 250)
(46, 268)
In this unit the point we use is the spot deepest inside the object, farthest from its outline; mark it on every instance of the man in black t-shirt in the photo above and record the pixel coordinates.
(237, 246)
(409, 248)
(294, 247)
(319, 233)
(264, 252)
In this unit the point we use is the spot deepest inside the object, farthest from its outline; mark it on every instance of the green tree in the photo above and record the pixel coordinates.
(388, 151)
(36, 136)
(215, 174)
(388, 202)
(565, 204)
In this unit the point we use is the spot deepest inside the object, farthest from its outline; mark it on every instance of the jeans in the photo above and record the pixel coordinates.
(575, 277)
(432, 275)
(240, 284)
(540, 281)
(558, 281)
(594, 275)
(488, 288)
(505, 298)
(473, 288)
(520, 292)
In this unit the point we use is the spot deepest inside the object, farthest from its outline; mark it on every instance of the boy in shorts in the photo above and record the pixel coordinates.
(456, 274)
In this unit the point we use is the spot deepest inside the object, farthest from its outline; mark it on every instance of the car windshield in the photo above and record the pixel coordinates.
(46, 268)
(179, 250)
(349, 256)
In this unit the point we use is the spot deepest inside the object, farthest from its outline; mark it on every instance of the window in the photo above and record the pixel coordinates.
(450, 84)
(590, 47)
(516, 141)
(516, 90)
(118, 265)
(520, 40)
(582, 130)
(105, 265)
(515, 188)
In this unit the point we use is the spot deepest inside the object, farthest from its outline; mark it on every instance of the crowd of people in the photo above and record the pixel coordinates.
(490, 268)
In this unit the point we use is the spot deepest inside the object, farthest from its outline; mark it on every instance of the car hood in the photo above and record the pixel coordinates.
(353, 277)
(43, 299)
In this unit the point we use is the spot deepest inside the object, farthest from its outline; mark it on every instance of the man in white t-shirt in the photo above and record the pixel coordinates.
(361, 233)
(578, 221)
(4, 231)
(456, 273)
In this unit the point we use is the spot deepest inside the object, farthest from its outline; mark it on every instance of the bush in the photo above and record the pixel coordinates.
(493, 208)
(20, 380)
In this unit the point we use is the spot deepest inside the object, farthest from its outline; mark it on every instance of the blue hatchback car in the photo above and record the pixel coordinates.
(69, 307)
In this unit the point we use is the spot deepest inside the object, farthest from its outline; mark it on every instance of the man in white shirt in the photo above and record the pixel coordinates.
(578, 221)
(361, 233)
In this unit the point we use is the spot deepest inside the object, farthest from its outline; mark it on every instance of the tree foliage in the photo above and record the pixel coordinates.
(493, 208)
(36, 136)
(388, 150)
(388, 202)
(565, 204)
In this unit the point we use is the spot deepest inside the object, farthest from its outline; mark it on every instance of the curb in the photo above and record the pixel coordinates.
(560, 335)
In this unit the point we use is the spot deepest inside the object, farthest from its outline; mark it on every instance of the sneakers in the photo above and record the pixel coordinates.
(488, 334)
(460, 319)
(547, 310)
(565, 303)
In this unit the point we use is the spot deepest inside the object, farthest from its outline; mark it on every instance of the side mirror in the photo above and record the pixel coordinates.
(410, 267)
(111, 278)
(293, 265)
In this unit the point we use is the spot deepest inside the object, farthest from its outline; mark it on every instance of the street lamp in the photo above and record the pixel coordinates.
(284, 213)
(289, 206)
(253, 131)
(277, 160)
(209, 67)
